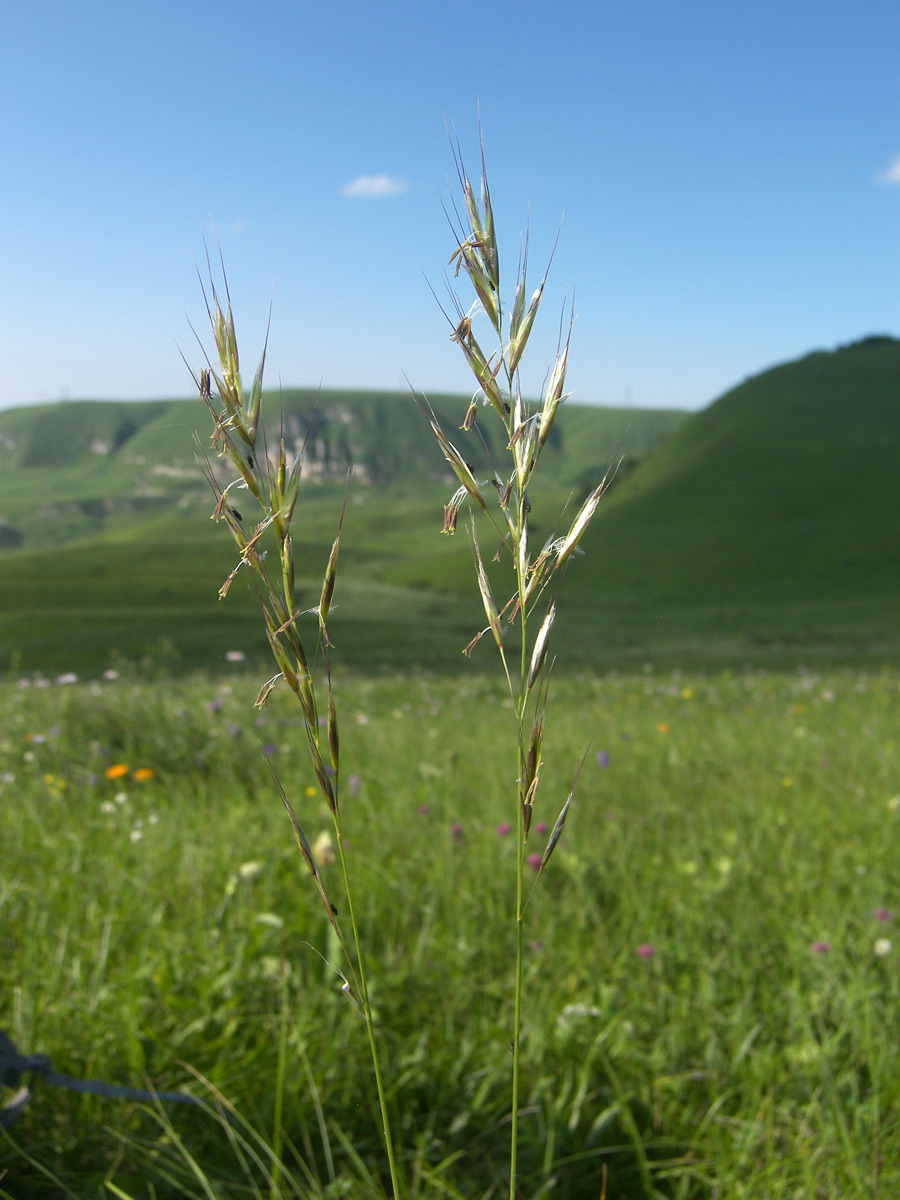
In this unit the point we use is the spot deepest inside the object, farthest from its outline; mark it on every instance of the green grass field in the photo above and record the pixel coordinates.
(710, 1001)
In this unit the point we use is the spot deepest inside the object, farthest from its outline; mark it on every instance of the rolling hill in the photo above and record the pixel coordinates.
(104, 513)
(786, 488)
(762, 529)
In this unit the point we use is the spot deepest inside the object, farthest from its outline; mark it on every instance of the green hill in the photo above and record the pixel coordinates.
(73, 469)
(785, 489)
(105, 514)
(763, 529)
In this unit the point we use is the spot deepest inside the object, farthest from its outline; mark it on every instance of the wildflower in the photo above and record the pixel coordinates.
(69, 677)
(121, 797)
(457, 832)
(117, 771)
(107, 807)
(362, 719)
(423, 810)
(663, 727)
(250, 870)
(142, 774)
(136, 835)
(215, 705)
(111, 674)
(234, 730)
(309, 790)
(503, 829)
(883, 915)
(541, 827)
(268, 749)
(36, 739)
(820, 947)
(882, 947)
(534, 861)
(353, 785)
(234, 656)
(645, 950)
(894, 803)
(603, 756)
(787, 781)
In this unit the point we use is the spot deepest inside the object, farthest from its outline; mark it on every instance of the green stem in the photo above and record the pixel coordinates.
(277, 1132)
(522, 527)
(517, 1017)
(367, 1011)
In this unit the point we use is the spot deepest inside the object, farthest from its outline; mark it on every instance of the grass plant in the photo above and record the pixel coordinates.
(274, 483)
(505, 500)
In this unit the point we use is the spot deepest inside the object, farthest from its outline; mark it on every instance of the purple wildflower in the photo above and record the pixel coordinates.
(820, 947)
(503, 829)
(883, 915)
(602, 758)
(645, 950)
(534, 861)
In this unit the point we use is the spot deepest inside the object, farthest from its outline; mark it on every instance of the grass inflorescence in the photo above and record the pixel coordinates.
(505, 500)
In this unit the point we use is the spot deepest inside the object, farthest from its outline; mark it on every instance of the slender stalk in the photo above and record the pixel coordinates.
(275, 484)
(367, 1013)
(497, 377)
(277, 1132)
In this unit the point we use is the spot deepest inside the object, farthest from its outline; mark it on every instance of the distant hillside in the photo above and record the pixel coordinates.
(75, 469)
(764, 529)
(786, 487)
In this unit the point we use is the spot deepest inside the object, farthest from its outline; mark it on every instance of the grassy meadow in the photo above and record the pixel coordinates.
(712, 996)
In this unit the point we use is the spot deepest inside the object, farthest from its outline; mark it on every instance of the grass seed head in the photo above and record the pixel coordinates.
(333, 735)
(539, 653)
(581, 522)
(487, 596)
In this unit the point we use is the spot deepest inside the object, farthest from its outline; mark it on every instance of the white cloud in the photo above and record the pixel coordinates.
(369, 186)
(891, 175)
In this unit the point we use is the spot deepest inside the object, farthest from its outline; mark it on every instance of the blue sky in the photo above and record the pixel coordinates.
(729, 175)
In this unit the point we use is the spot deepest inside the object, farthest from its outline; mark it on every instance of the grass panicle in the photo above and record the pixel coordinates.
(497, 378)
(239, 438)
